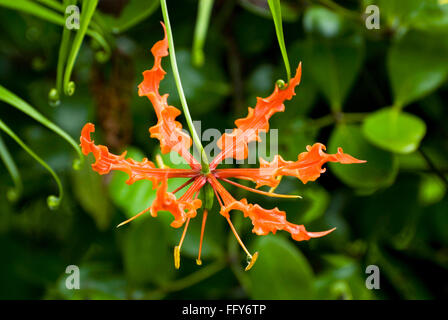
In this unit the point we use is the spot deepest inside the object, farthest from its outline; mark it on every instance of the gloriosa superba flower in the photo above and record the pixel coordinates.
(308, 166)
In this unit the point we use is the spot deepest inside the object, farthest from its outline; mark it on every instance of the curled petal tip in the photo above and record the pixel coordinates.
(346, 158)
(320, 234)
(85, 139)
(87, 130)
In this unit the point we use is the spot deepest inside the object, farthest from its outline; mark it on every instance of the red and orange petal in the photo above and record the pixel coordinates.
(271, 220)
(263, 220)
(247, 129)
(145, 169)
(308, 167)
(181, 209)
(167, 130)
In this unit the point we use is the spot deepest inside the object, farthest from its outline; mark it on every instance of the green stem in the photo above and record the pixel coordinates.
(88, 9)
(55, 93)
(13, 194)
(52, 201)
(53, 4)
(274, 6)
(13, 100)
(200, 31)
(204, 161)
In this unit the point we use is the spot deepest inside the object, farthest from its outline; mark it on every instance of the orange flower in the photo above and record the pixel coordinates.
(308, 166)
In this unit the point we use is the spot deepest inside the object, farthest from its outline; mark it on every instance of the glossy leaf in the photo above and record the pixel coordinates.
(380, 169)
(323, 22)
(394, 130)
(147, 254)
(289, 273)
(416, 73)
(398, 13)
(342, 279)
(334, 65)
(91, 193)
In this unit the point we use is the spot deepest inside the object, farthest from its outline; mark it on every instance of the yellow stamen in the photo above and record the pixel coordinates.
(179, 246)
(177, 257)
(251, 258)
(279, 178)
(204, 219)
(159, 161)
(134, 217)
(252, 261)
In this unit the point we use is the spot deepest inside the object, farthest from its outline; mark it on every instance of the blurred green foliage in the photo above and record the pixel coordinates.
(391, 212)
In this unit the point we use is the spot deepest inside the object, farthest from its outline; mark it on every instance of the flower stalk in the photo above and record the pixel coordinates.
(204, 161)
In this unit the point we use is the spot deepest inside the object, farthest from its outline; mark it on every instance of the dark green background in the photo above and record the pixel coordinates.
(379, 94)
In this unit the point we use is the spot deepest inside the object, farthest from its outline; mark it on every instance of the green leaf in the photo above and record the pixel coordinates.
(148, 257)
(312, 206)
(92, 194)
(394, 130)
(407, 282)
(342, 278)
(52, 201)
(398, 13)
(414, 73)
(253, 25)
(276, 11)
(290, 11)
(200, 31)
(323, 22)
(432, 18)
(281, 272)
(432, 189)
(334, 65)
(13, 194)
(13, 100)
(97, 282)
(33, 8)
(380, 169)
(133, 13)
